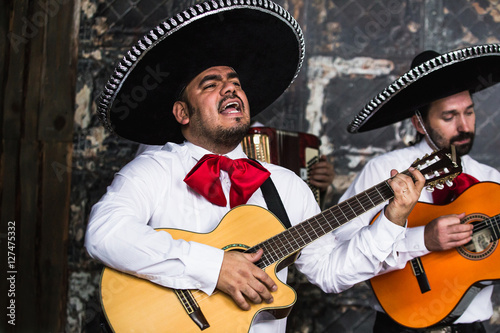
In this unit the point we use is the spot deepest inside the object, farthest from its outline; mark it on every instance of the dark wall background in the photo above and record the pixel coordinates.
(354, 48)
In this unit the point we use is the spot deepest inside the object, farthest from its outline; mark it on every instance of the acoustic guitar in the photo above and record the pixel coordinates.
(132, 304)
(438, 287)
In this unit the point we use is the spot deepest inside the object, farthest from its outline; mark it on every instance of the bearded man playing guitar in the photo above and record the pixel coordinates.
(436, 94)
(188, 85)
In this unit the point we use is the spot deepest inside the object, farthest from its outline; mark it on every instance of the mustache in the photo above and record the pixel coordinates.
(462, 136)
(230, 97)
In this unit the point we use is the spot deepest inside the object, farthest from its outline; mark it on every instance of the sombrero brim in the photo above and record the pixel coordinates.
(260, 40)
(473, 68)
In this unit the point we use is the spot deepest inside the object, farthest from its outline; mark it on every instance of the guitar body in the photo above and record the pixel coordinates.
(132, 304)
(453, 275)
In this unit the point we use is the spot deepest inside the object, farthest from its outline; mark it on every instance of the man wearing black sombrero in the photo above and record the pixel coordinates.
(436, 94)
(189, 85)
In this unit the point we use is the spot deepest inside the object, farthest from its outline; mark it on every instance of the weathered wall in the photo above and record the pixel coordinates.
(354, 48)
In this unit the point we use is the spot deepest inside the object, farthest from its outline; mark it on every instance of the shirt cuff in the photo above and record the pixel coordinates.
(414, 242)
(203, 266)
(386, 234)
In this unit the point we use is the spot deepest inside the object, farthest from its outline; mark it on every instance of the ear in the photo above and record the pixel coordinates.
(180, 112)
(417, 124)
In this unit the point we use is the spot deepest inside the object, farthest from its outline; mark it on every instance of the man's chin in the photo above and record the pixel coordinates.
(232, 136)
(463, 149)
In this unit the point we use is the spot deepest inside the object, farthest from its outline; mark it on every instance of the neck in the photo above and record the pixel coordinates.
(220, 150)
(212, 147)
(215, 149)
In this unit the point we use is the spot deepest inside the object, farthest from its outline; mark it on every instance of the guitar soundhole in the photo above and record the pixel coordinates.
(236, 247)
(482, 244)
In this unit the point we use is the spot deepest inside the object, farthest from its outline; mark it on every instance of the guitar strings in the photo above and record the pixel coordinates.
(492, 224)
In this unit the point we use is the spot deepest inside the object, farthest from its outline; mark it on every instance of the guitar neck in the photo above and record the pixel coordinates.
(297, 237)
(436, 168)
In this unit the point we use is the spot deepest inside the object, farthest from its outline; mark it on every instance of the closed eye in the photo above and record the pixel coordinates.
(208, 86)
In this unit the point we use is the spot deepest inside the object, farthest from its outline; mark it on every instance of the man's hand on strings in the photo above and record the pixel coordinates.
(241, 279)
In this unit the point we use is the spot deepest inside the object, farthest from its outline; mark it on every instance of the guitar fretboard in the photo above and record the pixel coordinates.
(436, 168)
(297, 237)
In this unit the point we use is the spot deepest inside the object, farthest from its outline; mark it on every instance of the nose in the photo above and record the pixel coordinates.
(228, 88)
(463, 124)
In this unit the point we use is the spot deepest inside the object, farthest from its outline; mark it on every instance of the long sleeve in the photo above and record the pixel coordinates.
(120, 234)
(335, 263)
(364, 247)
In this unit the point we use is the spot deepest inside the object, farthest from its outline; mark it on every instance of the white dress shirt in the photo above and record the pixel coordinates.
(150, 193)
(345, 243)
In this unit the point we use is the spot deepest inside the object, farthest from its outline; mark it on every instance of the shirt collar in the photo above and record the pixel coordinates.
(197, 152)
(424, 146)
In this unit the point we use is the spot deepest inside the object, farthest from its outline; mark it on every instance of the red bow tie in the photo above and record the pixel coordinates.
(246, 177)
(448, 194)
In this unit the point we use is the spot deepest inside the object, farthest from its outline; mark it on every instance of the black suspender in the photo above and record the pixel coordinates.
(274, 203)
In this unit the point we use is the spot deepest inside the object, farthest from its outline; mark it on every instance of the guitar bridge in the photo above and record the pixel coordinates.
(419, 272)
(192, 308)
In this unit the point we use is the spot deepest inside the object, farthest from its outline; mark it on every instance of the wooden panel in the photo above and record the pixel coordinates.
(12, 60)
(4, 44)
(13, 101)
(9, 171)
(58, 89)
(30, 165)
(27, 314)
(53, 238)
(37, 123)
(33, 86)
(55, 131)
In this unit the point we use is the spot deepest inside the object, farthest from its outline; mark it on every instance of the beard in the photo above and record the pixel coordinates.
(229, 137)
(219, 136)
(461, 150)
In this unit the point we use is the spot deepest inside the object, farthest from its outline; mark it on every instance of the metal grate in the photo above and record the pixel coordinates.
(135, 17)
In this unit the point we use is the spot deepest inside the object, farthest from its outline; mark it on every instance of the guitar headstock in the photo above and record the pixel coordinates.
(439, 168)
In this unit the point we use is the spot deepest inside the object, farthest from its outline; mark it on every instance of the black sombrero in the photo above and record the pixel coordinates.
(258, 38)
(433, 76)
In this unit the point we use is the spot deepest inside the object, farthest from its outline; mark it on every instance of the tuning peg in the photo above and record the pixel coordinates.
(429, 189)
(449, 182)
(439, 186)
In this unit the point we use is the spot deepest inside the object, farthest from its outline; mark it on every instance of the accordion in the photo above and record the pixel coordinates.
(295, 151)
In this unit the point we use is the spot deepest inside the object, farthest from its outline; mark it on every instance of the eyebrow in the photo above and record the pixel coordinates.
(216, 77)
(454, 110)
(447, 113)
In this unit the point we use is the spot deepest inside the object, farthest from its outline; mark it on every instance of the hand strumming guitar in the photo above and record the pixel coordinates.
(243, 281)
(446, 232)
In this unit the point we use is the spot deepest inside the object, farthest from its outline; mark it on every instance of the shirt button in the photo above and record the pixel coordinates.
(198, 286)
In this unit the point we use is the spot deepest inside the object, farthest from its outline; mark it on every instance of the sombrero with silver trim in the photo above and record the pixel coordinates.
(258, 38)
(433, 76)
